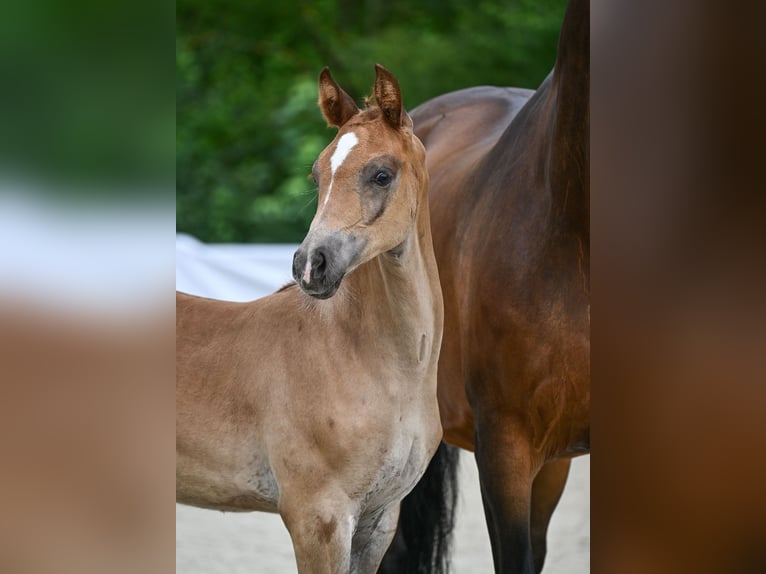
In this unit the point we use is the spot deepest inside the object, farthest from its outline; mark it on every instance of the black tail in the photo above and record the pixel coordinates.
(426, 520)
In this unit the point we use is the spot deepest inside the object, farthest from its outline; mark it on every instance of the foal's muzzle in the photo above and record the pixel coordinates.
(317, 271)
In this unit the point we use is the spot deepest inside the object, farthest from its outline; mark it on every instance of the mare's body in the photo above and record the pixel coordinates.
(510, 215)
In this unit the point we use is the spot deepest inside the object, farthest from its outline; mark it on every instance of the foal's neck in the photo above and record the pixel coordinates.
(398, 289)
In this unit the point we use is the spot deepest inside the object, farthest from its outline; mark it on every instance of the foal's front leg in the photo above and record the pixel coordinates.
(321, 528)
(372, 538)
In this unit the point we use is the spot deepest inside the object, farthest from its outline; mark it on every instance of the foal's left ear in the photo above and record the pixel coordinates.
(389, 97)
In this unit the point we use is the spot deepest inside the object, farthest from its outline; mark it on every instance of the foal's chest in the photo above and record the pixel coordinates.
(400, 456)
(399, 470)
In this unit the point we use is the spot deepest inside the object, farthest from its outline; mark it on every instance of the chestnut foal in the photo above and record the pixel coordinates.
(319, 401)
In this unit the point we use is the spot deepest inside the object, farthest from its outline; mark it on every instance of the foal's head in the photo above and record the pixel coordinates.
(370, 179)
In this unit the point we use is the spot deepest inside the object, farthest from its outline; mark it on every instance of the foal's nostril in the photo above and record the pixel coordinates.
(319, 264)
(295, 262)
(298, 263)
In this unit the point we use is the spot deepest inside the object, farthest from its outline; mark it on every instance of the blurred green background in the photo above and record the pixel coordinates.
(248, 126)
(87, 98)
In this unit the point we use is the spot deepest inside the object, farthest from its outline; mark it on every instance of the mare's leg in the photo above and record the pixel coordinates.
(372, 538)
(321, 527)
(546, 492)
(505, 471)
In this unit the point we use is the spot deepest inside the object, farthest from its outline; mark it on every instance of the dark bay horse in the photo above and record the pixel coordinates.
(319, 402)
(510, 215)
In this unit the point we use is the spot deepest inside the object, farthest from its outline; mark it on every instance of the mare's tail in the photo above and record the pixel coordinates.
(426, 520)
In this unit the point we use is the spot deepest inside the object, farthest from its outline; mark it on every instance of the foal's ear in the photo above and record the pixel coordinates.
(336, 105)
(389, 97)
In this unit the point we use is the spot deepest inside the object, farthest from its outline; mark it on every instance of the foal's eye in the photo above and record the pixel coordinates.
(382, 178)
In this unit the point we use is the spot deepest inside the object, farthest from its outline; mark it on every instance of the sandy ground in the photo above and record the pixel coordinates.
(210, 542)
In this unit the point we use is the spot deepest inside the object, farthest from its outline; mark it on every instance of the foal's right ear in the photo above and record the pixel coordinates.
(336, 105)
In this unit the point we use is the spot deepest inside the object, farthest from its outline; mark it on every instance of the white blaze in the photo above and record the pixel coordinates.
(345, 144)
(307, 272)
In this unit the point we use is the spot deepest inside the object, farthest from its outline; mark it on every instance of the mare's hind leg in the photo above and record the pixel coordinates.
(321, 528)
(505, 472)
(372, 538)
(546, 492)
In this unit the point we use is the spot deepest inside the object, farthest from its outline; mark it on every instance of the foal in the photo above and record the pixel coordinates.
(319, 401)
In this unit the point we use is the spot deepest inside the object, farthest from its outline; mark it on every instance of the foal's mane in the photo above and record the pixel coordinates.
(286, 287)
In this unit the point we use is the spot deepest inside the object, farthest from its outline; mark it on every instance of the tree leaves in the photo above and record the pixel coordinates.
(248, 127)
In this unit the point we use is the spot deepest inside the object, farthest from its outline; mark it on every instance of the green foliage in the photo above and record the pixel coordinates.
(248, 127)
(86, 103)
